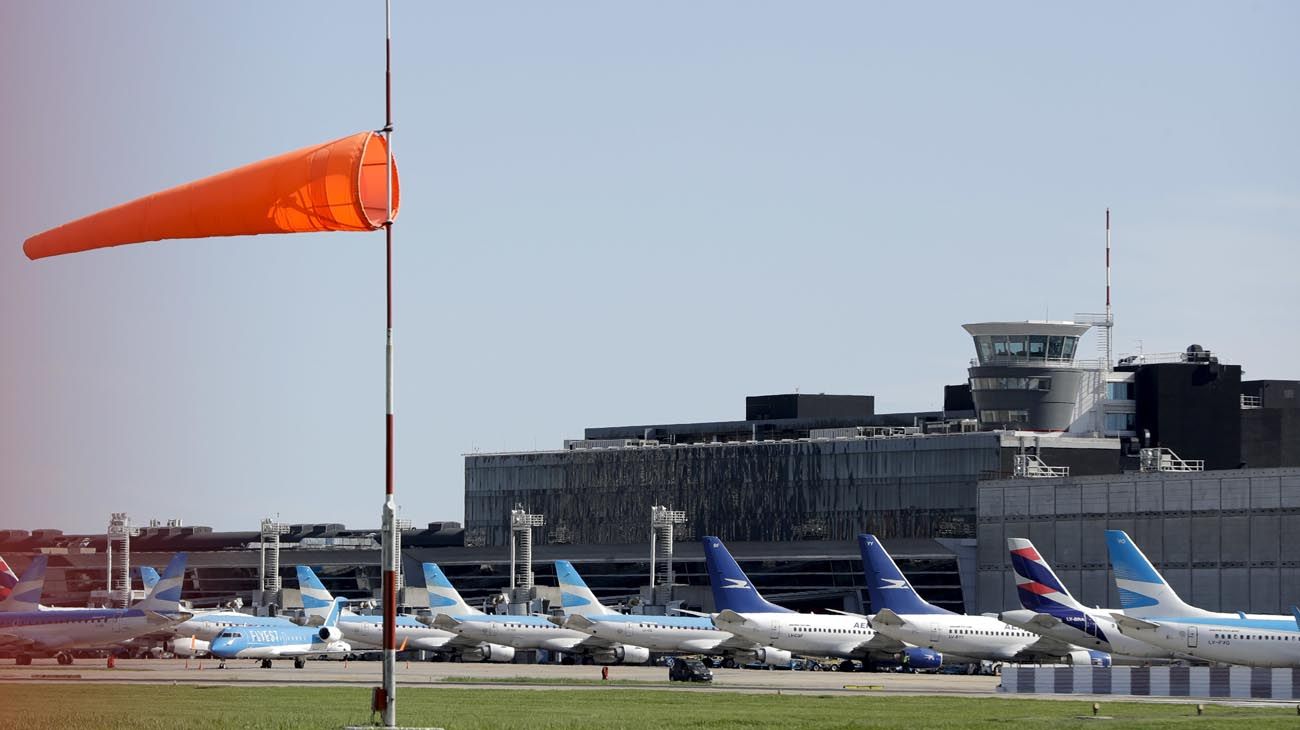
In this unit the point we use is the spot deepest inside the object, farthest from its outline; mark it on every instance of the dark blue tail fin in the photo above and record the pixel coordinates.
(731, 587)
(886, 584)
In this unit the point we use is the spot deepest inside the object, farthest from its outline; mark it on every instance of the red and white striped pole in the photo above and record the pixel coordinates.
(390, 541)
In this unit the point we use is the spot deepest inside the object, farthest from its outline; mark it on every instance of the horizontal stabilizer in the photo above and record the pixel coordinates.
(575, 621)
(445, 622)
(1131, 623)
(886, 617)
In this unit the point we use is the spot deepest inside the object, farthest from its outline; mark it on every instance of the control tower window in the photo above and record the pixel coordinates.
(999, 346)
(1067, 352)
(1016, 346)
(984, 344)
(1055, 345)
(1038, 345)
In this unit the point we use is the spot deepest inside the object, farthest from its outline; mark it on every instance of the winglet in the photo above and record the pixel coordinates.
(575, 596)
(886, 584)
(25, 594)
(731, 587)
(336, 609)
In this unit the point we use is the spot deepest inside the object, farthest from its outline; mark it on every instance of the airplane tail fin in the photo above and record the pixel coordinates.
(1142, 590)
(317, 602)
(886, 584)
(336, 610)
(443, 596)
(731, 587)
(8, 579)
(25, 595)
(575, 596)
(1036, 583)
(148, 577)
(165, 596)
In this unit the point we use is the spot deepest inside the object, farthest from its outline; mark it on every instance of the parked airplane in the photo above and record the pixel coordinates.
(295, 643)
(538, 632)
(668, 634)
(192, 637)
(745, 613)
(368, 631)
(1154, 613)
(1049, 610)
(904, 615)
(45, 632)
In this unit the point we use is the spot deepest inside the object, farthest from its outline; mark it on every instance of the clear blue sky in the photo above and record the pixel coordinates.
(612, 214)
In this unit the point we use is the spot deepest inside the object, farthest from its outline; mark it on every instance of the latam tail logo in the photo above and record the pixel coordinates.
(737, 583)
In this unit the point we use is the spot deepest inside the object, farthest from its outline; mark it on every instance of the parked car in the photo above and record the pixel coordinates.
(689, 670)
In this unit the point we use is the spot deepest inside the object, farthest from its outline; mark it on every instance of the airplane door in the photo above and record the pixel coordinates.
(1191, 637)
(934, 634)
(775, 631)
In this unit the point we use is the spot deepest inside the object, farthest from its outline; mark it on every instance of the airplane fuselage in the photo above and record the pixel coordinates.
(1090, 629)
(91, 627)
(273, 643)
(954, 635)
(1255, 642)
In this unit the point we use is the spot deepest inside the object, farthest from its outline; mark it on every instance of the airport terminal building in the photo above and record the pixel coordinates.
(1201, 467)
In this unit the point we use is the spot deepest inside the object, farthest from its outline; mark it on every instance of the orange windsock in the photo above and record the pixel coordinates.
(336, 186)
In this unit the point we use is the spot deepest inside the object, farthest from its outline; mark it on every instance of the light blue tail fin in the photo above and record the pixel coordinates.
(887, 585)
(575, 596)
(317, 602)
(1143, 592)
(731, 587)
(165, 596)
(336, 610)
(443, 596)
(26, 592)
(148, 577)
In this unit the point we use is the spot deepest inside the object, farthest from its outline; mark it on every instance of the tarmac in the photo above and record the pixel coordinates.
(491, 676)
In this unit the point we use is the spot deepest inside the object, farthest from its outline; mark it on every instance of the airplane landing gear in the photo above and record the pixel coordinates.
(728, 663)
(266, 663)
(299, 662)
(221, 664)
(63, 658)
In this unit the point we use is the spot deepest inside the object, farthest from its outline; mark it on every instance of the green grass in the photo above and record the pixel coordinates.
(149, 707)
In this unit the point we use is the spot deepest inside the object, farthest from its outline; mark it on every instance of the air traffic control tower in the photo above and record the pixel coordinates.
(1025, 377)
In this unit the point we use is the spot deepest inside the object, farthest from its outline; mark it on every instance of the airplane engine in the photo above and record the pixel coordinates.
(329, 634)
(489, 653)
(774, 657)
(917, 657)
(1088, 657)
(625, 654)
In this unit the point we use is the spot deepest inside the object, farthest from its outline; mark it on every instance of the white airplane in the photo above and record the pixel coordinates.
(192, 637)
(1049, 610)
(46, 632)
(295, 643)
(368, 631)
(905, 616)
(1154, 613)
(667, 634)
(745, 613)
(537, 632)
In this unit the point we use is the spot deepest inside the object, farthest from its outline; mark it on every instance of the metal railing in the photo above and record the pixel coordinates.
(1022, 360)
(1252, 401)
(1160, 358)
(1162, 459)
(1028, 466)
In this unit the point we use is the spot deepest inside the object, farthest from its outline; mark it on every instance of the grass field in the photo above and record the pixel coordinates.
(44, 706)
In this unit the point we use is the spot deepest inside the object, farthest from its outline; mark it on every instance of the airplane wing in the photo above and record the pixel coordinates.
(13, 642)
(846, 613)
(879, 643)
(1047, 647)
(692, 613)
(577, 622)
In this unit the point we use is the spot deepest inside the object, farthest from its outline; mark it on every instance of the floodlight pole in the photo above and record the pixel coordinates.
(390, 541)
